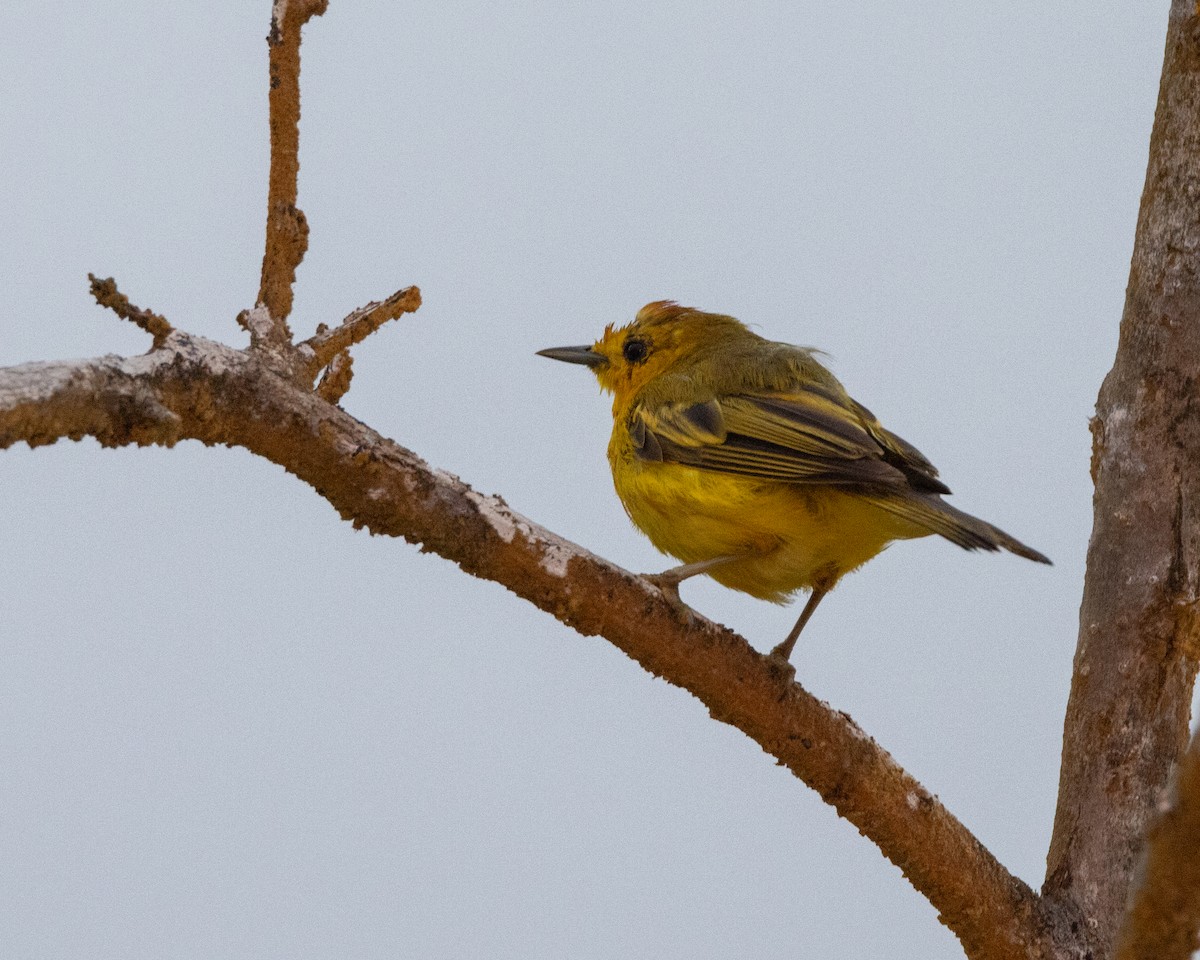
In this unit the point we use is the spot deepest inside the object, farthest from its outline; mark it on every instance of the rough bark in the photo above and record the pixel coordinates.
(1139, 636)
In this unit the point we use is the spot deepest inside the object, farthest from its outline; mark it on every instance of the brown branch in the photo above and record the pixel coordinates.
(107, 295)
(287, 229)
(336, 381)
(1139, 633)
(1164, 920)
(328, 343)
(222, 396)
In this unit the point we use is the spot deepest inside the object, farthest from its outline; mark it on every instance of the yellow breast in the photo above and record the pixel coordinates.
(786, 536)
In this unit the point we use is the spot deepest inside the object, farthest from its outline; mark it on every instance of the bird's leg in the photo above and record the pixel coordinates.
(783, 652)
(669, 580)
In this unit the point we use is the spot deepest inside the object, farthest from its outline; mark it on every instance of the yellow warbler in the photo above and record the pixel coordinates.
(748, 460)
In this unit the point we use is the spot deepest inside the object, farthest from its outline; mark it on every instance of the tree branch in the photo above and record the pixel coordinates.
(194, 388)
(1139, 633)
(336, 381)
(107, 295)
(287, 229)
(1164, 921)
(327, 344)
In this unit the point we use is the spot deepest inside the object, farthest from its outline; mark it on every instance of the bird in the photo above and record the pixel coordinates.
(747, 460)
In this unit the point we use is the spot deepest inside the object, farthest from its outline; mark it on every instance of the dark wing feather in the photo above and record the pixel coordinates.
(812, 435)
(903, 455)
(809, 434)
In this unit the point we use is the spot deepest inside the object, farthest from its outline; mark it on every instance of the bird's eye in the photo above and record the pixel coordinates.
(635, 350)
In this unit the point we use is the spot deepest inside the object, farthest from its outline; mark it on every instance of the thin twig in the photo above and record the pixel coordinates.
(327, 344)
(287, 229)
(107, 295)
(1164, 921)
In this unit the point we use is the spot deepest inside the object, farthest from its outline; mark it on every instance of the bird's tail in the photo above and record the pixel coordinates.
(970, 533)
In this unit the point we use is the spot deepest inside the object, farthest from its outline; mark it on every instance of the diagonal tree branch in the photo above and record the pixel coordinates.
(1163, 922)
(360, 324)
(107, 295)
(194, 388)
(1139, 629)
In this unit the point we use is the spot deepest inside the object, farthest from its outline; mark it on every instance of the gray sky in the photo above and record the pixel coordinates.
(231, 726)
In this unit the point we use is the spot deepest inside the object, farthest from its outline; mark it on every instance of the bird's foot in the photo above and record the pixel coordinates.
(779, 661)
(668, 586)
(781, 656)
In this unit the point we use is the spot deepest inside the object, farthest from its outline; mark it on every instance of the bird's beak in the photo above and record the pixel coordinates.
(585, 355)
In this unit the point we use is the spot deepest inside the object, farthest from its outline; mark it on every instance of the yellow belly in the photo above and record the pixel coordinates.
(786, 537)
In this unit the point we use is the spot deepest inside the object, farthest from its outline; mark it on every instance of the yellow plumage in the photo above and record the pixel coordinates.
(783, 538)
(747, 460)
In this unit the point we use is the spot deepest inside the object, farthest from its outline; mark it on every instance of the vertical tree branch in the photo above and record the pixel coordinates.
(1136, 659)
(1164, 920)
(287, 229)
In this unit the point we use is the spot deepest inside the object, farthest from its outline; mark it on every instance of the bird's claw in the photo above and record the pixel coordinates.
(780, 662)
(668, 586)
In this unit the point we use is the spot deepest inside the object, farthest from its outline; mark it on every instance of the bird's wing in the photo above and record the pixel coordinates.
(808, 434)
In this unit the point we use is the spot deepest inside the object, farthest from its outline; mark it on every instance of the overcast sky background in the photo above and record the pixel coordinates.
(231, 726)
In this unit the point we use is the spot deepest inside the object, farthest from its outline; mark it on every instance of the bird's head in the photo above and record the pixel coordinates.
(662, 338)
